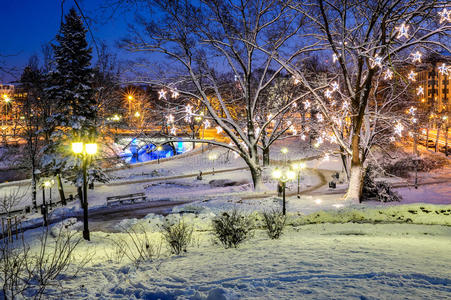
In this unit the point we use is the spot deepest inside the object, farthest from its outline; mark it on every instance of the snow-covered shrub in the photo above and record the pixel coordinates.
(29, 273)
(137, 246)
(177, 235)
(403, 166)
(232, 228)
(274, 223)
(380, 191)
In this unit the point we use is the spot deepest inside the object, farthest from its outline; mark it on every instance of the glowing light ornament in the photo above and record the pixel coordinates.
(187, 118)
(399, 128)
(414, 120)
(333, 102)
(443, 69)
(175, 94)
(294, 105)
(376, 62)
(403, 30)
(320, 117)
(303, 137)
(328, 94)
(423, 131)
(218, 129)
(392, 139)
(388, 74)
(420, 90)
(335, 86)
(412, 110)
(326, 157)
(296, 80)
(269, 117)
(293, 130)
(334, 58)
(445, 15)
(333, 139)
(170, 119)
(289, 123)
(189, 110)
(206, 124)
(162, 94)
(306, 104)
(345, 105)
(173, 131)
(416, 57)
(411, 76)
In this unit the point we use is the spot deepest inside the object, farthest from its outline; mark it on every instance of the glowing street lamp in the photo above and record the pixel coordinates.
(86, 151)
(283, 176)
(159, 148)
(284, 150)
(299, 167)
(212, 157)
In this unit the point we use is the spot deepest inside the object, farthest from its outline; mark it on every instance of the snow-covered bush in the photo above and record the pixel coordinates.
(232, 228)
(177, 235)
(274, 223)
(403, 166)
(380, 191)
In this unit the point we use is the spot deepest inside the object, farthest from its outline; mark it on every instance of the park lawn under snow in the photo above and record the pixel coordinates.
(321, 261)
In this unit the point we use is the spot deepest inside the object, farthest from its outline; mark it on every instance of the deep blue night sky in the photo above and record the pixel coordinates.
(27, 24)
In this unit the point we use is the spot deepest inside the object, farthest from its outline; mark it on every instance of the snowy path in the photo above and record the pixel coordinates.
(327, 261)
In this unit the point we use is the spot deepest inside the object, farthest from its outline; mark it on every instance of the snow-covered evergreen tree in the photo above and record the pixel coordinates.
(74, 93)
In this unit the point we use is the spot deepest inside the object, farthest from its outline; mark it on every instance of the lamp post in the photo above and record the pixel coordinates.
(212, 157)
(283, 176)
(299, 166)
(85, 151)
(284, 151)
(130, 98)
(48, 184)
(159, 148)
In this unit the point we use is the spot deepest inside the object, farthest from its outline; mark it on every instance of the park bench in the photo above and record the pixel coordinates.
(17, 212)
(130, 198)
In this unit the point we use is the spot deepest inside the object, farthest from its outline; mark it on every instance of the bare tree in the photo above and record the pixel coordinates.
(368, 45)
(214, 50)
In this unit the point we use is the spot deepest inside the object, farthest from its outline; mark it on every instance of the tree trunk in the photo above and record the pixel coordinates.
(60, 189)
(266, 156)
(256, 174)
(354, 193)
(437, 137)
(33, 189)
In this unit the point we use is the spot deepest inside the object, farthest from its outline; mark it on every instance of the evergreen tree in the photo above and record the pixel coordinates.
(74, 93)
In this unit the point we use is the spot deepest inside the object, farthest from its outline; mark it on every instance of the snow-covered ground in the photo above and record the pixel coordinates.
(320, 261)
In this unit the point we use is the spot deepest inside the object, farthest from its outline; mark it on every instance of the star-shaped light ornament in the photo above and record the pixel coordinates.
(403, 31)
(334, 58)
(420, 91)
(303, 137)
(335, 86)
(206, 124)
(445, 15)
(218, 129)
(170, 119)
(306, 104)
(399, 128)
(443, 69)
(296, 80)
(412, 76)
(345, 105)
(320, 117)
(388, 74)
(328, 94)
(175, 94)
(189, 109)
(162, 94)
(173, 130)
(376, 62)
(412, 110)
(293, 130)
(416, 57)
